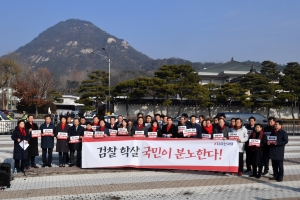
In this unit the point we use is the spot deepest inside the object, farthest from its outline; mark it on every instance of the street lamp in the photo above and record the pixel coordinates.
(108, 58)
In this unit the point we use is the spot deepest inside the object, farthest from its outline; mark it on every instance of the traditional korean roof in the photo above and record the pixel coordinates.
(231, 67)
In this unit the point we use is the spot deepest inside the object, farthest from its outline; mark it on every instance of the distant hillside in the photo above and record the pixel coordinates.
(65, 49)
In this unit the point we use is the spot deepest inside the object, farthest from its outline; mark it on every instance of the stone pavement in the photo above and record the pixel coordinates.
(114, 184)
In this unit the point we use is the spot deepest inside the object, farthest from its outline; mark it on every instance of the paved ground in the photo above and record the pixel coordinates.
(114, 184)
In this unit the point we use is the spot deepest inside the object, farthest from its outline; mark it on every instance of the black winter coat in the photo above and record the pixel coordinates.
(198, 129)
(72, 132)
(19, 153)
(225, 131)
(158, 131)
(173, 130)
(33, 143)
(277, 151)
(257, 154)
(61, 145)
(135, 128)
(47, 141)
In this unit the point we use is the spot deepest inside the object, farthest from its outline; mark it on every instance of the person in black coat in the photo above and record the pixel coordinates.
(103, 127)
(47, 141)
(112, 124)
(139, 127)
(169, 130)
(277, 151)
(222, 128)
(155, 128)
(75, 130)
(267, 130)
(256, 154)
(33, 143)
(20, 134)
(249, 127)
(196, 126)
(182, 122)
(62, 146)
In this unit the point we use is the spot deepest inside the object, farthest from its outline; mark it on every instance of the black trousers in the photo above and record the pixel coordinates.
(31, 161)
(259, 172)
(266, 159)
(17, 164)
(278, 169)
(248, 161)
(44, 156)
(241, 161)
(78, 159)
(62, 156)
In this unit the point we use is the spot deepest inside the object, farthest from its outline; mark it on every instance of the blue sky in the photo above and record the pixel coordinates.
(195, 30)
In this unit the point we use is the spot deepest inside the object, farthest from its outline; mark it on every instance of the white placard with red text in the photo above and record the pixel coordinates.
(47, 132)
(233, 136)
(88, 134)
(62, 135)
(181, 128)
(206, 136)
(272, 139)
(99, 134)
(139, 133)
(36, 133)
(152, 134)
(187, 154)
(122, 131)
(254, 142)
(74, 139)
(113, 132)
(218, 136)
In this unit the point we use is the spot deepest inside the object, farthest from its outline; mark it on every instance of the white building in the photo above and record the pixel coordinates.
(225, 72)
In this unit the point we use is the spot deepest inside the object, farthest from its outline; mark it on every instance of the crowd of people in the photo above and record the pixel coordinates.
(257, 156)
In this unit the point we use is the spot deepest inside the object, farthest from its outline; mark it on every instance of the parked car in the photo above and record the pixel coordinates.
(245, 117)
(4, 111)
(5, 124)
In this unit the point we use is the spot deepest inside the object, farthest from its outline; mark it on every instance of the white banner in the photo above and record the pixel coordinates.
(163, 153)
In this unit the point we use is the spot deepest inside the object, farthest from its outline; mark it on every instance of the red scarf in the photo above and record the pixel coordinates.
(140, 127)
(209, 129)
(221, 129)
(96, 124)
(168, 127)
(63, 126)
(154, 129)
(22, 131)
(102, 128)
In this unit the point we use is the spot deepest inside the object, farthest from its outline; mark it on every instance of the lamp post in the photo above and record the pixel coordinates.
(108, 79)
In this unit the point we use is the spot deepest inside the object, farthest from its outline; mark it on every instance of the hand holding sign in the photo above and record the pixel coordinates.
(36, 133)
(99, 134)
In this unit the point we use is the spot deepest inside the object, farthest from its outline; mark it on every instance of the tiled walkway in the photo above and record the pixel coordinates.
(114, 184)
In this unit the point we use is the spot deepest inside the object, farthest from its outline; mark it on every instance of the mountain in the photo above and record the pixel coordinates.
(66, 47)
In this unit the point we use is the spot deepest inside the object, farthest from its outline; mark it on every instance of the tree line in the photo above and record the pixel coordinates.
(37, 88)
(269, 88)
